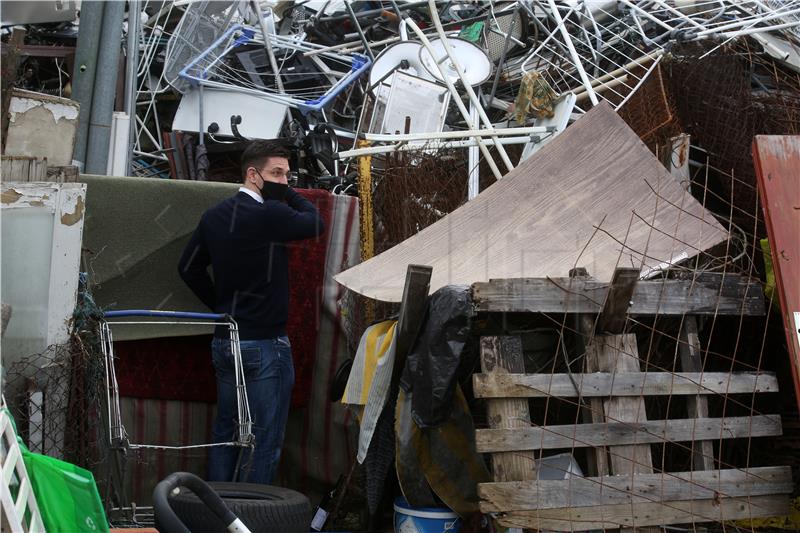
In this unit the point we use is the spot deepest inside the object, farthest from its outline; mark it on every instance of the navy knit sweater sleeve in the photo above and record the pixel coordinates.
(245, 243)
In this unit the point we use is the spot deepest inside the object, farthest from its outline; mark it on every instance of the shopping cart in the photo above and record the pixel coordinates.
(118, 437)
(121, 508)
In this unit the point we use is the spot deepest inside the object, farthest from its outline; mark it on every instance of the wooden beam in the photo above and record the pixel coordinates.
(503, 355)
(618, 299)
(619, 355)
(709, 294)
(696, 406)
(602, 384)
(626, 433)
(412, 314)
(647, 514)
(638, 488)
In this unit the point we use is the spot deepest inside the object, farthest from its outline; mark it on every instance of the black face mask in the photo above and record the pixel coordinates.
(274, 191)
(271, 190)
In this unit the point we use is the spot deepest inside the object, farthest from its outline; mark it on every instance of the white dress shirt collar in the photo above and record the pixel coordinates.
(255, 196)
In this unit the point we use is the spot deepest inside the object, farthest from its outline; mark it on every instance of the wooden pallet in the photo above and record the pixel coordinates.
(625, 490)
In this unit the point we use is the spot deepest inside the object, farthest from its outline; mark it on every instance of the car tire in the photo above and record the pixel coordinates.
(262, 508)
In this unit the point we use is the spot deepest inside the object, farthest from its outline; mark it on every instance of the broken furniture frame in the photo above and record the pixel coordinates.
(623, 490)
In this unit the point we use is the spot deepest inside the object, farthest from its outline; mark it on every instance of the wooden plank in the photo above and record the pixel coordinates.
(626, 433)
(23, 168)
(618, 298)
(503, 355)
(597, 459)
(777, 161)
(639, 488)
(412, 314)
(647, 514)
(618, 354)
(696, 406)
(601, 384)
(707, 295)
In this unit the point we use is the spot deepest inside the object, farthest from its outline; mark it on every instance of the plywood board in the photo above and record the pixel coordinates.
(543, 217)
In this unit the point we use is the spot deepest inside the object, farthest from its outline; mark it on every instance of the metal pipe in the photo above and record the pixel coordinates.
(456, 97)
(747, 22)
(273, 63)
(473, 160)
(91, 23)
(369, 13)
(458, 134)
(573, 53)
(361, 35)
(134, 19)
(104, 89)
(503, 56)
(433, 145)
(467, 87)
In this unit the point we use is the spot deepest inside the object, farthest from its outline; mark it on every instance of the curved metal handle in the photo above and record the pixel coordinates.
(169, 521)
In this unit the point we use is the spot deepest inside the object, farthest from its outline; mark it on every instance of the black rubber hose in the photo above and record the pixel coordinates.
(167, 519)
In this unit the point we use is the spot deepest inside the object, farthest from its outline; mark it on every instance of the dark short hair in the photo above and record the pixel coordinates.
(257, 153)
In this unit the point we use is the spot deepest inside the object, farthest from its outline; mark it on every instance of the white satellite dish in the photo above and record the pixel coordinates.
(392, 56)
(476, 64)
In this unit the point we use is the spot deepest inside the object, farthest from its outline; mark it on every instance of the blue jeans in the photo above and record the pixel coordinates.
(269, 376)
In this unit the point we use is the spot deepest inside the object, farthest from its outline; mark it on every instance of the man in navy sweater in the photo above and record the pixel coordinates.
(243, 239)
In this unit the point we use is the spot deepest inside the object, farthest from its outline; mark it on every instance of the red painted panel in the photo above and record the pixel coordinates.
(777, 161)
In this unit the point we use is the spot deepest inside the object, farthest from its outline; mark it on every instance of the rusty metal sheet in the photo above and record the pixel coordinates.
(777, 161)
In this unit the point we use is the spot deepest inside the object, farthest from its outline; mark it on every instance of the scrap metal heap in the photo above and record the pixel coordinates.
(417, 107)
(399, 75)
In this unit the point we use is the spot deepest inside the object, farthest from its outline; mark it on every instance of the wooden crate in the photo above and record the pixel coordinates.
(624, 488)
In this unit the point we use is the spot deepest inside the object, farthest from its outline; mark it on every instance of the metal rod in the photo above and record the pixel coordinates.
(433, 145)
(273, 63)
(503, 56)
(456, 97)
(467, 87)
(363, 37)
(458, 134)
(134, 19)
(473, 160)
(573, 53)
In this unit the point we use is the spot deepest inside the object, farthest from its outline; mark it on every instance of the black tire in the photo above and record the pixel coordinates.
(262, 508)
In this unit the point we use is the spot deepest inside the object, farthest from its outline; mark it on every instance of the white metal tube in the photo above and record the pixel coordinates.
(459, 134)
(573, 53)
(748, 22)
(641, 81)
(433, 145)
(759, 29)
(460, 71)
(473, 168)
(456, 97)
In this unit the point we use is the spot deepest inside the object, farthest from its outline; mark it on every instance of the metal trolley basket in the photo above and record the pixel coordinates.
(121, 509)
(118, 437)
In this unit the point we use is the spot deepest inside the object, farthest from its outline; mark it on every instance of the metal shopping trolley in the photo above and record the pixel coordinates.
(118, 437)
(118, 498)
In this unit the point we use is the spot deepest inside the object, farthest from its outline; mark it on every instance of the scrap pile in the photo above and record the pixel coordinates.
(505, 145)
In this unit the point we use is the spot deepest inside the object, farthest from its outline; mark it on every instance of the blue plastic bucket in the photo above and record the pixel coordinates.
(409, 519)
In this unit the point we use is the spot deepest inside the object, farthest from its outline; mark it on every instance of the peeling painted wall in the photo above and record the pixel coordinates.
(41, 125)
(42, 234)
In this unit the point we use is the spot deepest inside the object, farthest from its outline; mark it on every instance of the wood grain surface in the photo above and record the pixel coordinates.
(543, 217)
